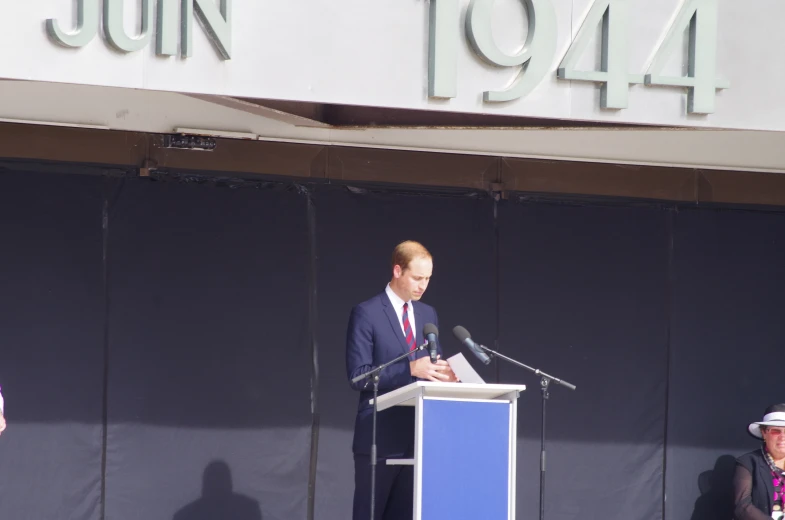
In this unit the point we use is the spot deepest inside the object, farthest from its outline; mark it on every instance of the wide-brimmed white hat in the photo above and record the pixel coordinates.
(772, 418)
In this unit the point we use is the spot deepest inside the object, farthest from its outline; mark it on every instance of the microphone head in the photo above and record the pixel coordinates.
(461, 333)
(430, 328)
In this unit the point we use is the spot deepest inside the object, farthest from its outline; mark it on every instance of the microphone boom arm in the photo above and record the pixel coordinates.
(545, 380)
(382, 367)
(375, 374)
(537, 371)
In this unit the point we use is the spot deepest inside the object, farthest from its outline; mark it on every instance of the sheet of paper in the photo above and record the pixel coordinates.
(464, 370)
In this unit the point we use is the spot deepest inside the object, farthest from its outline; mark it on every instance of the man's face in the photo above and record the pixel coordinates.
(410, 283)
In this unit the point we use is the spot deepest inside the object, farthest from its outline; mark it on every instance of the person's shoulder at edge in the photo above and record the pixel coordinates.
(370, 303)
(749, 456)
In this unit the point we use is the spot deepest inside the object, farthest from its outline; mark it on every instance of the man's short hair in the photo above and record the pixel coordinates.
(407, 251)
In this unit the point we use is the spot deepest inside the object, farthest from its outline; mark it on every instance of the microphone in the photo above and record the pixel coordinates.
(431, 333)
(464, 337)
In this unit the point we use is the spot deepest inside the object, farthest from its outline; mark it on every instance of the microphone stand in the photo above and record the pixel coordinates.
(375, 374)
(545, 381)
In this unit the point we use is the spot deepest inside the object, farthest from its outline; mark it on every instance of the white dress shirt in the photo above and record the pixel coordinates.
(397, 304)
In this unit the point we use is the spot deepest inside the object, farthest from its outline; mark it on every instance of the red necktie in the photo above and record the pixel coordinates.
(407, 327)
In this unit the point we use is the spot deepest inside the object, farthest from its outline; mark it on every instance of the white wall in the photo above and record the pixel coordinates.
(376, 53)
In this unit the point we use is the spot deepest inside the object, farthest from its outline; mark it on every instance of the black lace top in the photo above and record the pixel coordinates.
(758, 487)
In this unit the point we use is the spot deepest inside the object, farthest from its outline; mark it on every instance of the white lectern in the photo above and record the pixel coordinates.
(464, 448)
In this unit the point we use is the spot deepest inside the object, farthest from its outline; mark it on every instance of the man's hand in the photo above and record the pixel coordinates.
(2, 423)
(439, 371)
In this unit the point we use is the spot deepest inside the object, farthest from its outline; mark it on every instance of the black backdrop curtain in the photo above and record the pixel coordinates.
(173, 348)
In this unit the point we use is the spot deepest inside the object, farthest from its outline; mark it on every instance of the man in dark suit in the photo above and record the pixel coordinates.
(381, 329)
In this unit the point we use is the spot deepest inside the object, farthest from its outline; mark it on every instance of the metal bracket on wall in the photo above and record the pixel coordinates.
(148, 166)
(496, 189)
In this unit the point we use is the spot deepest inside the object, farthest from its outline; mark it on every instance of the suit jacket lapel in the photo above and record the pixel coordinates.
(394, 323)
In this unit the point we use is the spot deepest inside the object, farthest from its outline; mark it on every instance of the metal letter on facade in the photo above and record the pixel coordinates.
(217, 24)
(536, 57)
(87, 19)
(443, 49)
(166, 27)
(613, 76)
(115, 32)
(700, 16)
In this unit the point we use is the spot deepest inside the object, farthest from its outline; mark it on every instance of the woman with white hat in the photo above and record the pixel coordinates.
(759, 482)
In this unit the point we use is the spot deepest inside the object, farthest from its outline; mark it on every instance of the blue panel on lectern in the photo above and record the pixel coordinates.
(465, 460)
